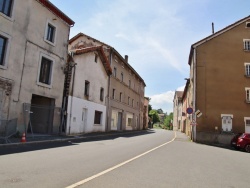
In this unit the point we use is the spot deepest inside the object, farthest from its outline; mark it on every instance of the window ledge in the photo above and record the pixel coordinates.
(248, 102)
(44, 85)
(247, 76)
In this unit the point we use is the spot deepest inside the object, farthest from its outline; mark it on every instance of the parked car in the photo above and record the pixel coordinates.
(241, 141)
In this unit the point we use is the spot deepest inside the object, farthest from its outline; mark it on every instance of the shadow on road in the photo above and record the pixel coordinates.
(33, 146)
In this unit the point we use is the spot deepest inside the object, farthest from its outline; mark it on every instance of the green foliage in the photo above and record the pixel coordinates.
(160, 111)
(168, 121)
(154, 116)
(149, 107)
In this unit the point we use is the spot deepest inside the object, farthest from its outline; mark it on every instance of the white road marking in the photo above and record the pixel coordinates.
(117, 166)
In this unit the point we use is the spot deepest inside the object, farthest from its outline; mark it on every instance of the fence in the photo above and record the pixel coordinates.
(7, 129)
(42, 119)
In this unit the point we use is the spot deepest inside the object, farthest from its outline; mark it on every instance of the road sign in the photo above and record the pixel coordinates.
(189, 110)
(193, 123)
(198, 113)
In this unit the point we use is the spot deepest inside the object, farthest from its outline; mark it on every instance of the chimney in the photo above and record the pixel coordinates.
(126, 58)
(212, 27)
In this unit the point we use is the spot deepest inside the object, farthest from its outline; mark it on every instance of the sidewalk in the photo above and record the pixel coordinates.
(40, 138)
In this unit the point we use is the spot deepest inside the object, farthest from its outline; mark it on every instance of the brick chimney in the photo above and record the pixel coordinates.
(126, 58)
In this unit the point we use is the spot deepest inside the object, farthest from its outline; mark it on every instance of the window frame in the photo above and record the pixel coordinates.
(114, 74)
(49, 85)
(49, 23)
(98, 117)
(247, 24)
(96, 58)
(247, 69)
(86, 88)
(122, 76)
(247, 90)
(246, 44)
(10, 9)
(113, 94)
(5, 56)
(120, 96)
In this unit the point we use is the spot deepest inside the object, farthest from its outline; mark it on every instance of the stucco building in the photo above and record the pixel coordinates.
(125, 91)
(220, 83)
(33, 53)
(177, 110)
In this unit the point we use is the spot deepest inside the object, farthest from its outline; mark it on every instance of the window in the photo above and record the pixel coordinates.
(121, 97)
(50, 34)
(113, 94)
(5, 6)
(45, 75)
(227, 120)
(247, 69)
(101, 94)
(246, 44)
(247, 124)
(86, 89)
(3, 49)
(122, 77)
(247, 95)
(114, 72)
(98, 117)
(248, 24)
(96, 58)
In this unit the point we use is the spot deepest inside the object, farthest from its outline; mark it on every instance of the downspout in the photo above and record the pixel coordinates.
(72, 93)
(194, 94)
(108, 97)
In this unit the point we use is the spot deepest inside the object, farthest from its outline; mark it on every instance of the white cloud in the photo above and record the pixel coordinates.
(163, 101)
(180, 88)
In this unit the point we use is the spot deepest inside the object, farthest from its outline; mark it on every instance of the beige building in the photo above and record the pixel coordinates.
(33, 53)
(220, 83)
(125, 96)
(145, 113)
(177, 110)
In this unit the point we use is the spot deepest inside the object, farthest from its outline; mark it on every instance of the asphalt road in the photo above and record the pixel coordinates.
(149, 159)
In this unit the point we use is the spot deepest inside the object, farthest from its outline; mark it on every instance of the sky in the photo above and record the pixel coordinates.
(155, 34)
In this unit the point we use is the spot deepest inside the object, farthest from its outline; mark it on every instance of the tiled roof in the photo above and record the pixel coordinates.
(81, 34)
(179, 94)
(103, 57)
(56, 11)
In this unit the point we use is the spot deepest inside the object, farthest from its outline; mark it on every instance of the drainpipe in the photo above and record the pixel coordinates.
(108, 97)
(194, 95)
(72, 94)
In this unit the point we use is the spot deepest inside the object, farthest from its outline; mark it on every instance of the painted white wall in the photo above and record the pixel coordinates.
(75, 121)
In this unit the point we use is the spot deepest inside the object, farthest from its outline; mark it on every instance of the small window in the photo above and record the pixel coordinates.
(122, 76)
(45, 75)
(5, 7)
(3, 49)
(114, 72)
(248, 24)
(98, 117)
(247, 95)
(86, 89)
(227, 122)
(101, 94)
(120, 96)
(96, 58)
(113, 94)
(50, 33)
(246, 44)
(247, 69)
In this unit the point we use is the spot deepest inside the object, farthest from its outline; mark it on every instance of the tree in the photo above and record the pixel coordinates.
(160, 111)
(168, 121)
(154, 116)
(149, 107)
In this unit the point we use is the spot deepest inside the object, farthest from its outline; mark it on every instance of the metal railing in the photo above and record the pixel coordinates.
(7, 129)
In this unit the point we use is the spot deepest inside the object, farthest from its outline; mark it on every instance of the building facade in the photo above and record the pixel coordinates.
(87, 99)
(220, 83)
(177, 110)
(33, 52)
(125, 96)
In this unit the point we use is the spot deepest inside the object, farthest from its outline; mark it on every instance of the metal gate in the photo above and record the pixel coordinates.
(39, 119)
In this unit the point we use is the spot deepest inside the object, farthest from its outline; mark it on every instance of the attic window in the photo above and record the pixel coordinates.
(96, 58)
(248, 24)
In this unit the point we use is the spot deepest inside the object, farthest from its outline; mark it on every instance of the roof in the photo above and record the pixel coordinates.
(56, 11)
(111, 48)
(101, 53)
(215, 35)
(179, 94)
(84, 35)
